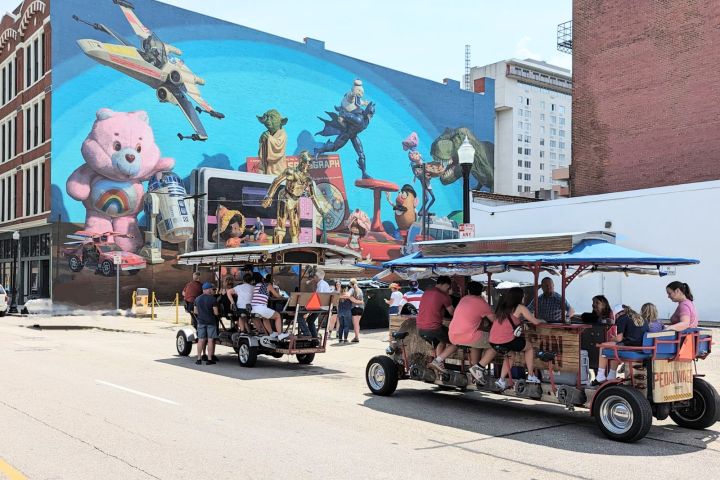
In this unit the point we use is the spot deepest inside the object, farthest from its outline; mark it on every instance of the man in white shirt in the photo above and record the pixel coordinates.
(308, 326)
(413, 295)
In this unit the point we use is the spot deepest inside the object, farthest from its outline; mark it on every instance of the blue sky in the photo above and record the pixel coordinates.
(422, 37)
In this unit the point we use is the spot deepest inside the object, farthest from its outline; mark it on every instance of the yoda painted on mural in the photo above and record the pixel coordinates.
(272, 143)
(444, 151)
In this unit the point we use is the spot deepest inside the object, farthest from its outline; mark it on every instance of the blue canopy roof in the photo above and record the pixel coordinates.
(594, 252)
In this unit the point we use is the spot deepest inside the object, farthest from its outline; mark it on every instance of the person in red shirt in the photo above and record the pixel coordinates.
(465, 325)
(433, 305)
(190, 292)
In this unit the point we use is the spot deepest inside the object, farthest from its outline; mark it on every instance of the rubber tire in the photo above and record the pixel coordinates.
(391, 375)
(79, 265)
(641, 409)
(252, 354)
(110, 268)
(712, 407)
(185, 350)
(305, 358)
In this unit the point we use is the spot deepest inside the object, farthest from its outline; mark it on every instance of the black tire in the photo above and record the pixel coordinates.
(703, 410)
(182, 344)
(247, 355)
(305, 358)
(622, 413)
(381, 375)
(107, 268)
(75, 263)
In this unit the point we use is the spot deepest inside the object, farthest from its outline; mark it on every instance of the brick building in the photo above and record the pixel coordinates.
(645, 111)
(25, 86)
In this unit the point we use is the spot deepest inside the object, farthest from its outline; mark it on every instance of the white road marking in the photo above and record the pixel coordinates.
(147, 395)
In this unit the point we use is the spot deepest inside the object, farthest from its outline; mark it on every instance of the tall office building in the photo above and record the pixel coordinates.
(532, 126)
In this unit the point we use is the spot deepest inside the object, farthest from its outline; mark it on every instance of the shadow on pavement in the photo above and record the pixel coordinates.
(266, 367)
(540, 424)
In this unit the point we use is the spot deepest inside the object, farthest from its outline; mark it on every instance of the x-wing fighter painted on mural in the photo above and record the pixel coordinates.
(156, 64)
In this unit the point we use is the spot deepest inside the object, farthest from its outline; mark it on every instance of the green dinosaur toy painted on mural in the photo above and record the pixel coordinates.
(444, 151)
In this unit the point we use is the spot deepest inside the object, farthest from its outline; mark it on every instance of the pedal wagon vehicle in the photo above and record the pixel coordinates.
(660, 377)
(300, 304)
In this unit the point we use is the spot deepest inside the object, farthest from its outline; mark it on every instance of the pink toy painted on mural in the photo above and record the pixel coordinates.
(120, 153)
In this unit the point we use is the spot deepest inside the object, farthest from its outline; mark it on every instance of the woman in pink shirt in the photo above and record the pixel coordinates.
(685, 315)
(509, 315)
(465, 325)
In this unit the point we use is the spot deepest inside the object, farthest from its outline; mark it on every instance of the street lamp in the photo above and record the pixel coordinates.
(466, 156)
(16, 248)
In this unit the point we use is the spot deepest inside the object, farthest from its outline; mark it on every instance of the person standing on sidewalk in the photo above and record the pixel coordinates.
(358, 307)
(207, 311)
(190, 292)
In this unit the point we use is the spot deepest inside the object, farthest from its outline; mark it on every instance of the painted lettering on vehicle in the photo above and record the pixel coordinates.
(548, 343)
(673, 378)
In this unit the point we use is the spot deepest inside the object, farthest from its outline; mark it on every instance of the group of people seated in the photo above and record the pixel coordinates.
(506, 335)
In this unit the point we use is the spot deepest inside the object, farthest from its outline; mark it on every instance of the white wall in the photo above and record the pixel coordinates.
(677, 221)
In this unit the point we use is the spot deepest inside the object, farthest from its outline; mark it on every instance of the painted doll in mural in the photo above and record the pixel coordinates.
(120, 153)
(358, 223)
(298, 182)
(258, 230)
(352, 117)
(404, 207)
(231, 227)
(410, 145)
(272, 143)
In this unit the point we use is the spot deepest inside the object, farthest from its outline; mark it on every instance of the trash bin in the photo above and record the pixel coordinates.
(141, 302)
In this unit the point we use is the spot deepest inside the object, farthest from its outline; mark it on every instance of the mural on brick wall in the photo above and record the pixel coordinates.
(311, 145)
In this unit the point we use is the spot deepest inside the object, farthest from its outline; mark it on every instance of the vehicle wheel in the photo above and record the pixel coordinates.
(106, 268)
(182, 344)
(305, 358)
(381, 375)
(75, 263)
(236, 349)
(247, 355)
(703, 409)
(622, 413)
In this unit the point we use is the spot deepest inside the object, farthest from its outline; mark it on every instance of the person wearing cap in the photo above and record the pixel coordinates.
(395, 300)
(413, 295)
(550, 303)
(207, 311)
(631, 327)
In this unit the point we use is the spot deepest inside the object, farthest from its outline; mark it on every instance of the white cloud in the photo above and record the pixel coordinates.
(523, 51)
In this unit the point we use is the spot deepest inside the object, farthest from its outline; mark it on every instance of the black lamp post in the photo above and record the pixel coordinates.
(15, 251)
(466, 157)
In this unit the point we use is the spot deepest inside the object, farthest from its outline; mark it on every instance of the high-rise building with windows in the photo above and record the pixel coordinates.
(532, 125)
(25, 146)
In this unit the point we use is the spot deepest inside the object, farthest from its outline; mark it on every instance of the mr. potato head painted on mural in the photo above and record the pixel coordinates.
(404, 207)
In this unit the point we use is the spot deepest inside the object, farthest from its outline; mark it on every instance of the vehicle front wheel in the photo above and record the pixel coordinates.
(106, 268)
(182, 344)
(75, 263)
(622, 413)
(305, 358)
(381, 375)
(703, 408)
(247, 355)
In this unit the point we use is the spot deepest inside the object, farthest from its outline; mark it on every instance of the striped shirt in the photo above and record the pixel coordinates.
(260, 295)
(412, 297)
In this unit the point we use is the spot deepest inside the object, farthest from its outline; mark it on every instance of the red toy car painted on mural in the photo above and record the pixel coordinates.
(97, 252)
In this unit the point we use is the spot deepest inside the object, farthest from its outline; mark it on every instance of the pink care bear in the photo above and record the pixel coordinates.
(120, 153)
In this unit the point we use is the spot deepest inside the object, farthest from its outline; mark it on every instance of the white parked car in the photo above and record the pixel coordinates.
(4, 301)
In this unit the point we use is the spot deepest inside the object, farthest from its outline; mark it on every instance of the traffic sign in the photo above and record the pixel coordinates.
(117, 258)
(467, 230)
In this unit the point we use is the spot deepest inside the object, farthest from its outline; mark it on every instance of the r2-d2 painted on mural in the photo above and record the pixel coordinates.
(169, 215)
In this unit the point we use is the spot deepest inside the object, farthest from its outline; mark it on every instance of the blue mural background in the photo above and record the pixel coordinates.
(248, 72)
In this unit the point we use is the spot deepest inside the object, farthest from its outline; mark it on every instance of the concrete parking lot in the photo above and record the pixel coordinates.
(115, 401)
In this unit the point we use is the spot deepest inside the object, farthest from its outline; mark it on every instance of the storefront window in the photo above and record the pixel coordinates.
(25, 249)
(45, 244)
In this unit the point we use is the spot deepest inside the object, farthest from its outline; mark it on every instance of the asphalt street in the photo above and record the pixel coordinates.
(117, 402)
